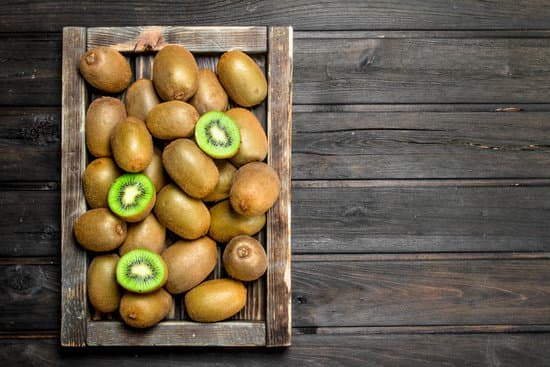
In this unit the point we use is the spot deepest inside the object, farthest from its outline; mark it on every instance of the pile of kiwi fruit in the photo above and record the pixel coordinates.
(177, 175)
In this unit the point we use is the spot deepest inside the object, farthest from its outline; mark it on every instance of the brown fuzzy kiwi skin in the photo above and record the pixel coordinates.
(102, 115)
(155, 170)
(106, 69)
(190, 168)
(175, 73)
(215, 300)
(244, 258)
(148, 234)
(132, 145)
(255, 189)
(254, 142)
(99, 230)
(189, 263)
(172, 120)
(97, 179)
(210, 95)
(242, 78)
(104, 293)
(140, 98)
(145, 310)
(187, 217)
(226, 223)
(221, 190)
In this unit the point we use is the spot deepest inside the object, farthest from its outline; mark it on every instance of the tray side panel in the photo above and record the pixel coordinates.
(73, 155)
(278, 316)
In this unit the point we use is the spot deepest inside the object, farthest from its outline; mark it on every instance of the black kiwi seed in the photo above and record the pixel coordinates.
(132, 196)
(141, 271)
(217, 135)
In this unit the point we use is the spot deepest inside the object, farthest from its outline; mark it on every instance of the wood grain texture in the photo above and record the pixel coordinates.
(307, 350)
(36, 16)
(337, 69)
(195, 39)
(73, 162)
(423, 145)
(420, 219)
(328, 292)
(178, 333)
(279, 132)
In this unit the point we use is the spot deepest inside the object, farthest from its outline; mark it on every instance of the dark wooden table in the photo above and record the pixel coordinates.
(421, 181)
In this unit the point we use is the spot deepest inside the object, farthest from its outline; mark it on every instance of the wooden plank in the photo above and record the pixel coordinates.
(279, 131)
(486, 294)
(30, 134)
(423, 145)
(36, 16)
(426, 216)
(30, 73)
(420, 219)
(73, 162)
(428, 70)
(30, 297)
(174, 333)
(341, 70)
(308, 350)
(30, 223)
(195, 39)
(388, 293)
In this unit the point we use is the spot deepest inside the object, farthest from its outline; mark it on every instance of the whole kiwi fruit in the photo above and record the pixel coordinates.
(189, 263)
(187, 217)
(106, 69)
(140, 98)
(155, 170)
(99, 230)
(255, 189)
(221, 190)
(103, 290)
(103, 114)
(210, 95)
(175, 73)
(98, 177)
(244, 258)
(132, 145)
(215, 300)
(226, 223)
(148, 234)
(190, 168)
(171, 120)
(145, 310)
(253, 137)
(242, 78)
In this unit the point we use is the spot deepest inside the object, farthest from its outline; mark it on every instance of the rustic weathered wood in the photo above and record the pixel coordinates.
(429, 70)
(176, 333)
(420, 219)
(73, 162)
(279, 132)
(195, 39)
(345, 68)
(335, 293)
(400, 145)
(307, 350)
(36, 16)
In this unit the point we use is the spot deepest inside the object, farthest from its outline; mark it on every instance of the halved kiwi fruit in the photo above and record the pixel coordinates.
(217, 135)
(141, 271)
(132, 196)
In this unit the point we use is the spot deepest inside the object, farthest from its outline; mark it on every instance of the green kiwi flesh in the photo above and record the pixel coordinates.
(132, 197)
(141, 271)
(217, 135)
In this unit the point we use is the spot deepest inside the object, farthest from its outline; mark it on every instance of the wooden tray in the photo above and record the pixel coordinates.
(266, 319)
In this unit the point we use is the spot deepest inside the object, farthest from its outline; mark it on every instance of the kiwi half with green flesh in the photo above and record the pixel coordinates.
(141, 271)
(132, 197)
(217, 135)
